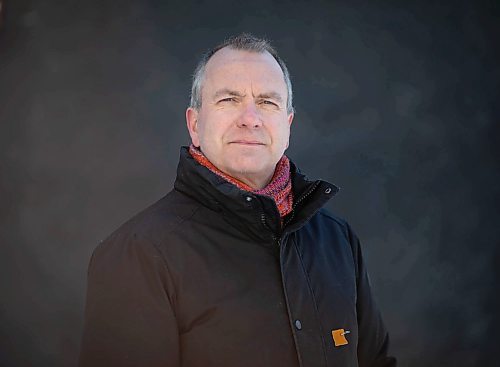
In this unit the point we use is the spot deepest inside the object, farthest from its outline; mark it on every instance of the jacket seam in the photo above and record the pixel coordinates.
(347, 231)
(163, 260)
(157, 247)
(313, 299)
(340, 222)
(290, 318)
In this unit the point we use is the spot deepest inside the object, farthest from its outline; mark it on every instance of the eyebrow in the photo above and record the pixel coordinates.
(229, 92)
(271, 95)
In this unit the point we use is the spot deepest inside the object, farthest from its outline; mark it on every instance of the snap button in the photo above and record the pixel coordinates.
(328, 190)
(298, 324)
(248, 198)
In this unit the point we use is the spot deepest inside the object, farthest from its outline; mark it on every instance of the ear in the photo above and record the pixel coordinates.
(290, 119)
(192, 125)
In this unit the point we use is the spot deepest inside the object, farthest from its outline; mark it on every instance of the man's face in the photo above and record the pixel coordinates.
(242, 127)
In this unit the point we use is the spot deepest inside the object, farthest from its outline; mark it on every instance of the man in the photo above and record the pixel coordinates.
(239, 265)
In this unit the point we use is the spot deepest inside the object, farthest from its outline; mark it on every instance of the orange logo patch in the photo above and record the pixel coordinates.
(339, 337)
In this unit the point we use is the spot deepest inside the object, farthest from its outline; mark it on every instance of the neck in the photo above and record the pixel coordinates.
(256, 183)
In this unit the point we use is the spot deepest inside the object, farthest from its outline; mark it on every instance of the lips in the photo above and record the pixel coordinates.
(247, 142)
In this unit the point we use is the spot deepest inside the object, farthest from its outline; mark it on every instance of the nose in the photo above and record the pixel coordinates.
(250, 116)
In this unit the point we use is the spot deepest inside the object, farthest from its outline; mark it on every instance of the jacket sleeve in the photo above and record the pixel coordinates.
(129, 320)
(373, 341)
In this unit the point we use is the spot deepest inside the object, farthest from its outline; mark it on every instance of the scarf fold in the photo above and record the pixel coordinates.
(279, 188)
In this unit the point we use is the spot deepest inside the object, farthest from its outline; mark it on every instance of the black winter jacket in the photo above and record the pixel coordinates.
(207, 277)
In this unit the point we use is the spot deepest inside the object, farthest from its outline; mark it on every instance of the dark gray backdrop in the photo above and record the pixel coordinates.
(397, 103)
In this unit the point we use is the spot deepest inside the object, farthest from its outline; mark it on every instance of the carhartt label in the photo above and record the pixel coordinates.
(339, 337)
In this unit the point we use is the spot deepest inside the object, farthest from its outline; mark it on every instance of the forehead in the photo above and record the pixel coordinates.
(236, 67)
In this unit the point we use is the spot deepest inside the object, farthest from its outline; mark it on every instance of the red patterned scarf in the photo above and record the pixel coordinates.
(280, 187)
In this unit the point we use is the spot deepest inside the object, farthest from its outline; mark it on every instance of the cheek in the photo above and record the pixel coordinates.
(284, 133)
(212, 132)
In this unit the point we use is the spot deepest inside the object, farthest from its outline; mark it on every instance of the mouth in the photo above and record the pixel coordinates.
(247, 142)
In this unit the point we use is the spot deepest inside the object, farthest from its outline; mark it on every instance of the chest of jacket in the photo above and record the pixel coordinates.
(260, 303)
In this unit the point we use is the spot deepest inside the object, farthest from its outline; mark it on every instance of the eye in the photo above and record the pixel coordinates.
(269, 103)
(228, 99)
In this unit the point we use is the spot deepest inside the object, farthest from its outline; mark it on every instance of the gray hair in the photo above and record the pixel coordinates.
(244, 42)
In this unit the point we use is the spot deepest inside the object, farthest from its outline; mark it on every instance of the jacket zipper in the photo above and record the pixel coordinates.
(302, 198)
(276, 238)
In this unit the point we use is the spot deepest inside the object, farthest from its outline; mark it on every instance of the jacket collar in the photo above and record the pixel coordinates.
(256, 215)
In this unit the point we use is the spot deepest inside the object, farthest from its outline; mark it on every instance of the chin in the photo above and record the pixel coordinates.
(246, 169)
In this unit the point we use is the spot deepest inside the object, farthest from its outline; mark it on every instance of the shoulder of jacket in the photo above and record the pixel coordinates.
(343, 225)
(156, 221)
(326, 214)
(348, 233)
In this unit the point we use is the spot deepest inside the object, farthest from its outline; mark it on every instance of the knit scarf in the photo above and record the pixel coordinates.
(279, 188)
